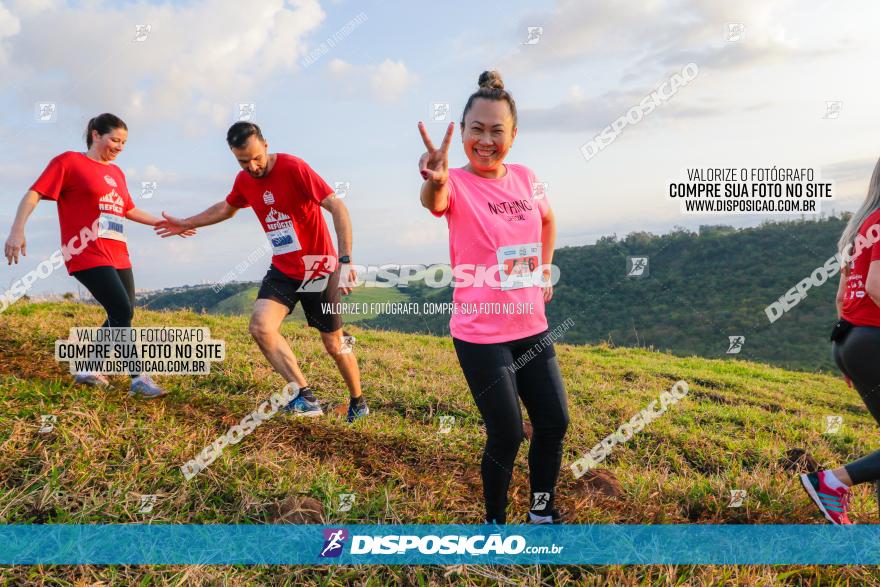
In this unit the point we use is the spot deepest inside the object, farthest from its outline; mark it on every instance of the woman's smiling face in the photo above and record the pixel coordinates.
(108, 146)
(487, 135)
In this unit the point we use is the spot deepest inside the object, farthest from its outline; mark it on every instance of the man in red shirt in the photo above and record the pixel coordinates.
(287, 197)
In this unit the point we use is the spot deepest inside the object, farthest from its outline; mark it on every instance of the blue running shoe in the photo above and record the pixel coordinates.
(355, 412)
(93, 379)
(144, 386)
(300, 406)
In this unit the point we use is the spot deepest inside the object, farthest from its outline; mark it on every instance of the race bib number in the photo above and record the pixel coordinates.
(283, 241)
(111, 226)
(519, 265)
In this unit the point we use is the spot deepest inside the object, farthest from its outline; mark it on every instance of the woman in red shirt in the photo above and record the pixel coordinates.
(855, 348)
(93, 203)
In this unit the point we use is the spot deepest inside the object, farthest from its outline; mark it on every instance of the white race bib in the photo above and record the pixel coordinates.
(519, 265)
(111, 226)
(283, 240)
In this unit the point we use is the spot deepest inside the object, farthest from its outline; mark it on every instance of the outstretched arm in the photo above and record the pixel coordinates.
(217, 213)
(15, 244)
(144, 217)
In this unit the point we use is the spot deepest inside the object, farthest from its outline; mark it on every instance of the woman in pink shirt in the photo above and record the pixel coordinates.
(501, 237)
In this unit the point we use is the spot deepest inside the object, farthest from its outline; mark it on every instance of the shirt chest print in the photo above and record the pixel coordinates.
(511, 210)
(112, 203)
(111, 223)
(280, 232)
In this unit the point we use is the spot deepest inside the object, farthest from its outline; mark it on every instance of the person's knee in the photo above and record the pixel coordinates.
(260, 330)
(506, 441)
(552, 428)
(333, 345)
(121, 316)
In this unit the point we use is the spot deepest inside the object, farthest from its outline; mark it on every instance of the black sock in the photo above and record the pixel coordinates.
(306, 393)
(502, 519)
(357, 402)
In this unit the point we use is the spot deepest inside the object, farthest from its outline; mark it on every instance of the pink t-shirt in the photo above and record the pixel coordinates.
(495, 245)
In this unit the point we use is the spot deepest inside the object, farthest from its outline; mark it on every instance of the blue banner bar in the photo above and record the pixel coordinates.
(439, 544)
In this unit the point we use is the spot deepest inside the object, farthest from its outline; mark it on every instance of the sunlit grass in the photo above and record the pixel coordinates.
(729, 432)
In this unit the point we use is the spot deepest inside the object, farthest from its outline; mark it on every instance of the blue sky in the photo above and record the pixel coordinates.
(352, 114)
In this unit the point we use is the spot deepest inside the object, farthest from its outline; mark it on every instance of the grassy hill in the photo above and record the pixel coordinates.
(197, 298)
(729, 432)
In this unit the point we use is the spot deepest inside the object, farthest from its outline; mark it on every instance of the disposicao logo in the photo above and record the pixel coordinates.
(334, 541)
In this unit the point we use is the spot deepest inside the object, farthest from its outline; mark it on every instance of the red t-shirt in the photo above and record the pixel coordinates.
(287, 203)
(858, 307)
(86, 190)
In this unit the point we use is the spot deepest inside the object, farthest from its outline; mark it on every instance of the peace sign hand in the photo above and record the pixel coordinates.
(434, 164)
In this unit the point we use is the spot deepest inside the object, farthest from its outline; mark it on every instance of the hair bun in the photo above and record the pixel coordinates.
(491, 79)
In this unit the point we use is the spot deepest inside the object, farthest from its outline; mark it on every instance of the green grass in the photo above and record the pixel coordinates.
(729, 432)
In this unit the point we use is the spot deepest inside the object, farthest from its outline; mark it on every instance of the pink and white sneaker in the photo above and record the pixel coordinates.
(833, 503)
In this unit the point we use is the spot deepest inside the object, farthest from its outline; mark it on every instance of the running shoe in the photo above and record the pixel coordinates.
(88, 378)
(300, 406)
(832, 503)
(144, 386)
(355, 412)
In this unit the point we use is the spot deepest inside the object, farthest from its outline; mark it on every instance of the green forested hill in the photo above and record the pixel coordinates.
(701, 288)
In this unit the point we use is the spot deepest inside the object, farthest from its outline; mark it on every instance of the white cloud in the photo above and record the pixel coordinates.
(390, 79)
(652, 34)
(635, 45)
(386, 82)
(198, 60)
(9, 23)
(338, 67)
(10, 26)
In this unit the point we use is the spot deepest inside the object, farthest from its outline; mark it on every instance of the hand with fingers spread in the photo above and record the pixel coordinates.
(173, 226)
(434, 163)
(15, 246)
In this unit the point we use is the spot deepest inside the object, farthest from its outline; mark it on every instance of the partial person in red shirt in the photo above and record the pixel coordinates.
(287, 196)
(856, 348)
(93, 205)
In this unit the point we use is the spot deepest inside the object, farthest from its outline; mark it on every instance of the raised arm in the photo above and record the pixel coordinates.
(15, 244)
(434, 167)
(219, 212)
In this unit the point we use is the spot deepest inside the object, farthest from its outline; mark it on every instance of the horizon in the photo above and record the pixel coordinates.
(342, 86)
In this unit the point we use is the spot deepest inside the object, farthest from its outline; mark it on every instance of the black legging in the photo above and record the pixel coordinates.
(114, 290)
(857, 357)
(497, 375)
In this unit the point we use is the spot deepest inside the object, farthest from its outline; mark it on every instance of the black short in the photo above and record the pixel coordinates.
(285, 290)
